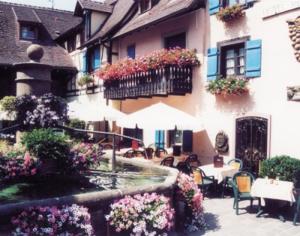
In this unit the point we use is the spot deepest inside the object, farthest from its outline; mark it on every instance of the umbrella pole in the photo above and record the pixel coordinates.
(113, 163)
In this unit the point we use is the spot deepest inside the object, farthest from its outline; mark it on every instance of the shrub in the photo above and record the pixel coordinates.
(46, 144)
(8, 104)
(227, 86)
(77, 124)
(61, 221)
(283, 167)
(85, 80)
(230, 14)
(148, 214)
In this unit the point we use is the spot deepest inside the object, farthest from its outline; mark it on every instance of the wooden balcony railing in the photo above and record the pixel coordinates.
(171, 80)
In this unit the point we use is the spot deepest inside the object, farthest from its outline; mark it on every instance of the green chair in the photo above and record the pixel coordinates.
(237, 164)
(203, 181)
(241, 183)
(297, 206)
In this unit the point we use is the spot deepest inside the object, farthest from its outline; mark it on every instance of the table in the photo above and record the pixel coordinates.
(272, 189)
(219, 173)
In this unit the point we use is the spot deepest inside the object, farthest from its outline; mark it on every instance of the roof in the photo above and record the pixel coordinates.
(52, 24)
(164, 9)
(121, 9)
(92, 5)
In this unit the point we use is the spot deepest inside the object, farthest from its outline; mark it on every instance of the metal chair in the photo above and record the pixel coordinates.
(184, 167)
(203, 181)
(193, 161)
(133, 153)
(168, 161)
(149, 152)
(159, 152)
(241, 183)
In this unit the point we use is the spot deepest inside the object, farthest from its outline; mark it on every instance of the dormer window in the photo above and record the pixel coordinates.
(145, 5)
(28, 32)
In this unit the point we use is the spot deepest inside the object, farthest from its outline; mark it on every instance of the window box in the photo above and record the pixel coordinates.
(228, 86)
(231, 13)
(85, 80)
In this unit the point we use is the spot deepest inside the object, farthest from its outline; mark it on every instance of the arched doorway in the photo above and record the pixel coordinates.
(251, 141)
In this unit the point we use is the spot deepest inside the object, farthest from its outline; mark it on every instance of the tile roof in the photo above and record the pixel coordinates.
(294, 28)
(162, 11)
(95, 6)
(23, 14)
(120, 10)
(13, 50)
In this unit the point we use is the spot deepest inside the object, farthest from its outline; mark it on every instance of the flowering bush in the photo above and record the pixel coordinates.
(44, 111)
(158, 59)
(16, 165)
(189, 191)
(226, 86)
(231, 13)
(84, 155)
(53, 221)
(148, 214)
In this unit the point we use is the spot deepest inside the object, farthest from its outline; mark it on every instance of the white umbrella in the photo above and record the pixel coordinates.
(161, 117)
(93, 112)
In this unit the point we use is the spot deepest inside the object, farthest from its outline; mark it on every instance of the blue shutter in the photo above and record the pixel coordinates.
(131, 51)
(159, 138)
(212, 63)
(253, 58)
(214, 6)
(96, 58)
(187, 141)
(84, 64)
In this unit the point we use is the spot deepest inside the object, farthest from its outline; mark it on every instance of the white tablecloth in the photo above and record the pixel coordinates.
(219, 173)
(279, 190)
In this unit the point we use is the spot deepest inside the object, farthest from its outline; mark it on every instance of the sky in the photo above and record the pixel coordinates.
(59, 4)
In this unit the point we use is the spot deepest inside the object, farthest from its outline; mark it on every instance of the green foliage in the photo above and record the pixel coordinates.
(46, 144)
(230, 14)
(283, 167)
(8, 104)
(85, 79)
(76, 124)
(227, 86)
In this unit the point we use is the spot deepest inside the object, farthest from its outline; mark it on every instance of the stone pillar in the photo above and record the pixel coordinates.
(33, 77)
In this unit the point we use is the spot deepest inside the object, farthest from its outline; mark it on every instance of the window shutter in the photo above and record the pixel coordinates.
(97, 58)
(131, 51)
(212, 63)
(253, 58)
(187, 141)
(84, 64)
(159, 138)
(214, 6)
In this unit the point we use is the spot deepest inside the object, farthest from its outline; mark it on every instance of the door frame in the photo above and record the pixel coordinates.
(254, 114)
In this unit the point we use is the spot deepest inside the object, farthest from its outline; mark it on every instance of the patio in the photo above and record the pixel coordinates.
(222, 221)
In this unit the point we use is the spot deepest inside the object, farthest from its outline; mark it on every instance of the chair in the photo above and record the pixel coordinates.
(159, 152)
(168, 161)
(203, 181)
(297, 208)
(236, 164)
(241, 183)
(134, 153)
(193, 161)
(149, 152)
(184, 167)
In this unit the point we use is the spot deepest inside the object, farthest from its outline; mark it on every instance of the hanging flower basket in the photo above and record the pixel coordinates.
(228, 86)
(230, 14)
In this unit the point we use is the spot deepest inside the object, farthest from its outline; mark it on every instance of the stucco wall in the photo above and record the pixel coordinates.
(267, 96)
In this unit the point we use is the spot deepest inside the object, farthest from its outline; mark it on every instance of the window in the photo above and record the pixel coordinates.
(87, 30)
(28, 32)
(145, 5)
(131, 51)
(93, 59)
(238, 57)
(71, 44)
(233, 60)
(178, 40)
(181, 137)
(215, 5)
(135, 133)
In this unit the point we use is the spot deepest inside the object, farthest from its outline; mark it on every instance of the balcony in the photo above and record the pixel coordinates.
(169, 80)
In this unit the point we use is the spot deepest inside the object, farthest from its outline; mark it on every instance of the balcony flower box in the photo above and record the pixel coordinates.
(230, 14)
(228, 86)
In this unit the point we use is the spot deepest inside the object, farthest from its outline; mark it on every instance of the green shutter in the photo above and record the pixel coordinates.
(253, 58)
(212, 63)
(214, 6)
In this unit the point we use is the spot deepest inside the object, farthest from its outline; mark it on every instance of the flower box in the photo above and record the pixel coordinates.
(230, 14)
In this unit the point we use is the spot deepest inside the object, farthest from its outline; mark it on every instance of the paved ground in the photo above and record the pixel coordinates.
(223, 221)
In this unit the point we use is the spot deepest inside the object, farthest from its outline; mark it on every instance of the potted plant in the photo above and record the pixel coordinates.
(231, 13)
(231, 85)
(85, 80)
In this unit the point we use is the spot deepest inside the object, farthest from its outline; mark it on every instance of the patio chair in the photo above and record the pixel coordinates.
(149, 152)
(160, 152)
(297, 207)
(168, 161)
(203, 181)
(237, 164)
(184, 167)
(134, 153)
(193, 161)
(241, 183)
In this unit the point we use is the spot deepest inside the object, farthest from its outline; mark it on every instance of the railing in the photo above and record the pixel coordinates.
(171, 80)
